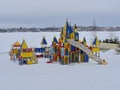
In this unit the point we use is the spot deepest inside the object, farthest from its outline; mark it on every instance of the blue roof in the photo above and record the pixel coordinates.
(84, 40)
(94, 42)
(44, 41)
(69, 29)
(55, 40)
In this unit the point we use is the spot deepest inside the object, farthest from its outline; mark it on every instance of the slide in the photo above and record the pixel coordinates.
(87, 51)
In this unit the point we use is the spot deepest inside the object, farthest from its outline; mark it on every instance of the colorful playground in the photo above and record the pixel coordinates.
(67, 49)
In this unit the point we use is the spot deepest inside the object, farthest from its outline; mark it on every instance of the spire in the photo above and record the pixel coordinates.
(16, 44)
(44, 42)
(55, 40)
(69, 29)
(24, 44)
(66, 20)
(96, 42)
(67, 23)
(75, 27)
(84, 41)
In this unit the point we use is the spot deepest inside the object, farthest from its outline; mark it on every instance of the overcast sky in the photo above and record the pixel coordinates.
(43, 13)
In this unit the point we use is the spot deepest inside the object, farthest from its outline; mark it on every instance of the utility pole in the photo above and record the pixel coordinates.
(94, 28)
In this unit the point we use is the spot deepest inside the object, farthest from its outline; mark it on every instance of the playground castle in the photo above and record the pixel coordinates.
(69, 49)
(22, 53)
(66, 50)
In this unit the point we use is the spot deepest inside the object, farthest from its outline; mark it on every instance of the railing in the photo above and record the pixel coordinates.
(85, 49)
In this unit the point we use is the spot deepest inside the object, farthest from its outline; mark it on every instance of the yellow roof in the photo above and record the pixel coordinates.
(24, 45)
(16, 44)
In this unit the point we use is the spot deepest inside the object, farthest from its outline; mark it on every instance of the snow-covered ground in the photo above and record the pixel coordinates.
(43, 76)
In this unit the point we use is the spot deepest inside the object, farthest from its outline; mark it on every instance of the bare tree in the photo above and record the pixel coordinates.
(112, 35)
(113, 38)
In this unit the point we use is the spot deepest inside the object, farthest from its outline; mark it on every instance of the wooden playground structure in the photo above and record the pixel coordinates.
(66, 50)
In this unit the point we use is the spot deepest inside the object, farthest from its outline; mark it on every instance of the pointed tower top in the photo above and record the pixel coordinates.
(75, 27)
(44, 42)
(66, 19)
(84, 41)
(96, 41)
(55, 40)
(24, 44)
(16, 44)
